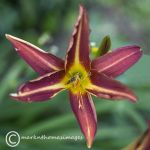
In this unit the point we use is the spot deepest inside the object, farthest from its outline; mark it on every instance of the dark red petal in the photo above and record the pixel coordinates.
(41, 61)
(105, 87)
(84, 110)
(78, 51)
(118, 61)
(147, 145)
(141, 143)
(40, 89)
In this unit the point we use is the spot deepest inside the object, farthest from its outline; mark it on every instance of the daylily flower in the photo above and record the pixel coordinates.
(78, 74)
(142, 142)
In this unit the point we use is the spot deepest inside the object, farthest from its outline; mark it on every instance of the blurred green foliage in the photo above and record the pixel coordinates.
(48, 24)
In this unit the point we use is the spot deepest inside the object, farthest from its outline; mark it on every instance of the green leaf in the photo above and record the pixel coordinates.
(104, 46)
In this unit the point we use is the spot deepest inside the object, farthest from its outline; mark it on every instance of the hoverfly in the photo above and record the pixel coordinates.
(77, 77)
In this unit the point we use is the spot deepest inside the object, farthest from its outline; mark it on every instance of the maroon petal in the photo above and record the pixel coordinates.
(141, 143)
(84, 110)
(147, 143)
(117, 62)
(78, 51)
(40, 89)
(41, 61)
(105, 87)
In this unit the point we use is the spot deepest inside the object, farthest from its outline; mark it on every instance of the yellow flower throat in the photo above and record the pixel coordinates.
(77, 79)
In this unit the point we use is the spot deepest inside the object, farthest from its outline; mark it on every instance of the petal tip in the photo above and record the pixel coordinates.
(6, 35)
(9, 37)
(12, 39)
(13, 95)
(133, 99)
(141, 51)
(89, 142)
(137, 48)
(81, 7)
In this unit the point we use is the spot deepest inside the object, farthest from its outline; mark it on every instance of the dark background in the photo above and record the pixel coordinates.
(48, 24)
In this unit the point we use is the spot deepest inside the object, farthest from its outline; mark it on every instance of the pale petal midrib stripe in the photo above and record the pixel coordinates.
(47, 88)
(77, 49)
(104, 90)
(116, 62)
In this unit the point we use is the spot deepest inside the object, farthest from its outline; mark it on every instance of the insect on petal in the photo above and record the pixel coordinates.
(41, 61)
(40, 89)
(84, 110)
